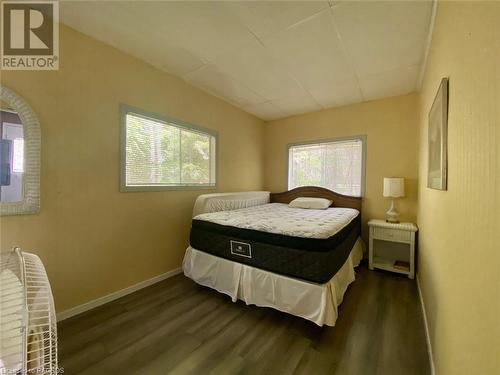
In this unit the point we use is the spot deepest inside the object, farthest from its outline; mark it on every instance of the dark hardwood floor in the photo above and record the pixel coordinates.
(178, 327)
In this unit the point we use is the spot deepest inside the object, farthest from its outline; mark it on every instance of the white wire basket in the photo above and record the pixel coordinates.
(28, 326)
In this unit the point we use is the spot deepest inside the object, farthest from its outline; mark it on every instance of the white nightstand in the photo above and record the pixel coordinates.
(392, 247)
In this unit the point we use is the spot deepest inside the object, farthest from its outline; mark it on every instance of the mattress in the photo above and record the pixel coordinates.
(310, 245)
(279, 218)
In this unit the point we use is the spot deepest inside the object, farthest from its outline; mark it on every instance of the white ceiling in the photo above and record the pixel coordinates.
(271, 58)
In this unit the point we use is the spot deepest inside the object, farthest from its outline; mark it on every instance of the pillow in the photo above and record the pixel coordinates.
(313, 203)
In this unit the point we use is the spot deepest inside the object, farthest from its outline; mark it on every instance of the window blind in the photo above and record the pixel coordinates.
(166, 154)
(335, 165)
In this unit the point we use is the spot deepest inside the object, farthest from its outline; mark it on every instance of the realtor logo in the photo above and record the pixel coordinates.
(30, 35)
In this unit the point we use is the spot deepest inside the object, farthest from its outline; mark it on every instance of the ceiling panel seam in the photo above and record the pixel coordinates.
(347, 54)
(298, 23)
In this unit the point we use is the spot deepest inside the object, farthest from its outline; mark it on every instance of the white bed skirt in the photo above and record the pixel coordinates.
(315, 302)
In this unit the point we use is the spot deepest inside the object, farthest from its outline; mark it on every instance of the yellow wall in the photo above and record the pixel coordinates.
(459, 255)
(93, 239)
(391, 129)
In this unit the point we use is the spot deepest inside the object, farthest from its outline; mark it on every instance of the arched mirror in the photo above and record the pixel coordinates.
(19, 156)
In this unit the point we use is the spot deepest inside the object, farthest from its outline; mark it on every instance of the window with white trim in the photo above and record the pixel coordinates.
(160, 153)
(337, 165)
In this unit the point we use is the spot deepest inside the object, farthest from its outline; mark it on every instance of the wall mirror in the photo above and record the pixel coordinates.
(19, 155)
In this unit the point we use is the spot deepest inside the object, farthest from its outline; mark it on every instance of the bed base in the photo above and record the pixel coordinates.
(317, 303)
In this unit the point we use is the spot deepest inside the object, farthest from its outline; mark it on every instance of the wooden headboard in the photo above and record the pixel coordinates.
(339, 200)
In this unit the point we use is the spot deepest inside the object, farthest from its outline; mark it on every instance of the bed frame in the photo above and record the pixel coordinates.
(315, 302)
(338, 200)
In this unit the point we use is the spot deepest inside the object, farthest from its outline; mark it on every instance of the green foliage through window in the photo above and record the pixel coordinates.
(160, 153)
(335, 165)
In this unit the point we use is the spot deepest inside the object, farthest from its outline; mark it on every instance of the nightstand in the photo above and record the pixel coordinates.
(392, 247)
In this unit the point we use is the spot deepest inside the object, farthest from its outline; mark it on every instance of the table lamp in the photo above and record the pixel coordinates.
(394, 187)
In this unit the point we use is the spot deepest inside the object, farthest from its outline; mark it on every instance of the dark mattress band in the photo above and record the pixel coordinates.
(311, 259)
(314, 244)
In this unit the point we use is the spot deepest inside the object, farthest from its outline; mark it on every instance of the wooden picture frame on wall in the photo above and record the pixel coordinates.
(437, 167)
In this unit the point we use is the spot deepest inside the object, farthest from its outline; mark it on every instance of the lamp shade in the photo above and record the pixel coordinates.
(394, 187)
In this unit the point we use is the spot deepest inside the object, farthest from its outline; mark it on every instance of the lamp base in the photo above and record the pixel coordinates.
(392, 215)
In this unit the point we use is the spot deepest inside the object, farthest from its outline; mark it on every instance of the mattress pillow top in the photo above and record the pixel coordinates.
(279, 218)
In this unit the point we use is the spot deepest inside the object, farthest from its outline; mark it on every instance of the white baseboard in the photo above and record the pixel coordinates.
(115, 295)
(427, 335)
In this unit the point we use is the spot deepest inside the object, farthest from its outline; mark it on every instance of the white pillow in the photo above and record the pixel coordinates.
(313, 203)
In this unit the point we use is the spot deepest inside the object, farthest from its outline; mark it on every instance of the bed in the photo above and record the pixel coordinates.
(254, 247)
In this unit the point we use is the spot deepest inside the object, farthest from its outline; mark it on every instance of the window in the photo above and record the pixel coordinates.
(18, 156)
(337, 165)
(162, 154)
